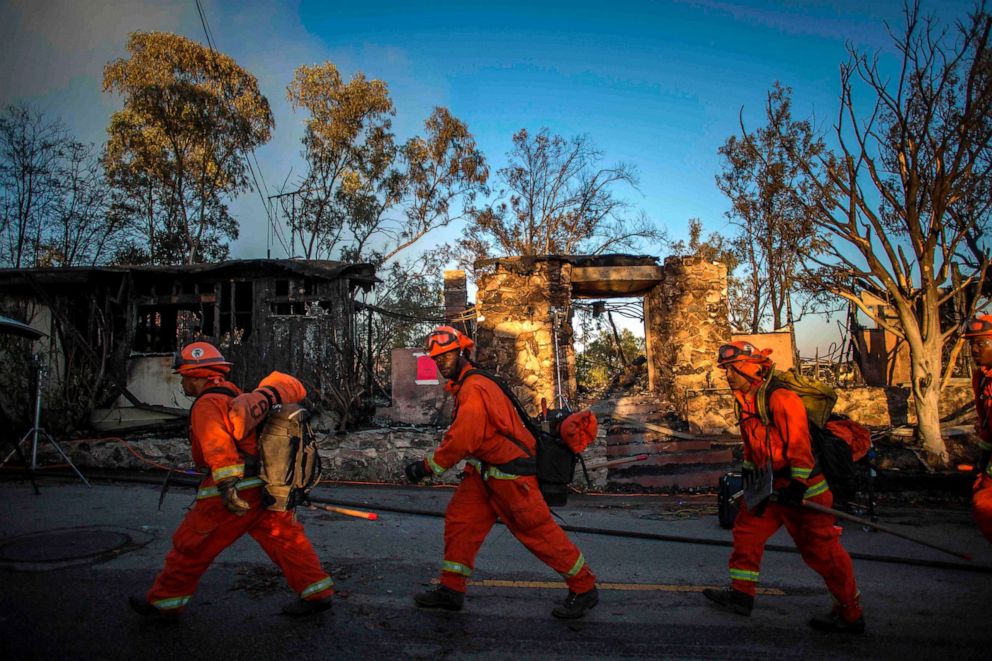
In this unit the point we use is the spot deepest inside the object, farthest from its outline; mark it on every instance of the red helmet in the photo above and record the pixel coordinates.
(446, 338)
(200, 356)
(741, 351)
(979, 326)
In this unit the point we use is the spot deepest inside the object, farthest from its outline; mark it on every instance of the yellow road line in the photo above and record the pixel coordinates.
(629, 587)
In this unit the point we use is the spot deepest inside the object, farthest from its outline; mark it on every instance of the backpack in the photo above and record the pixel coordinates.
(290, 465)
(556, 459)
(837, 441)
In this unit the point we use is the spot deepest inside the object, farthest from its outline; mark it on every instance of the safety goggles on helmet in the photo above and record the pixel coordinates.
(444, 340)
(978, 326)
(729, 353)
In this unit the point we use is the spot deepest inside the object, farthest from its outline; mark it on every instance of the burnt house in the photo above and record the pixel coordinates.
(112, 330)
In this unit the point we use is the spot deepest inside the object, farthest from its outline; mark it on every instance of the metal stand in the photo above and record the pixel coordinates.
(37, 430)
(24, 462)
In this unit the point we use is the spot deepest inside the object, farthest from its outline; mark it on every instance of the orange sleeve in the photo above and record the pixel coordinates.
(467, 432)
(211, 430)
(789, 416)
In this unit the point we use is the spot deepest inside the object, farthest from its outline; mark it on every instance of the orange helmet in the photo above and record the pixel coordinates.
(446, 338)
(741, 352)
(200, 359)
(979, 326)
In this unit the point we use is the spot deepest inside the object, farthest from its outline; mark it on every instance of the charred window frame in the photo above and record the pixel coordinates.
(187, 311)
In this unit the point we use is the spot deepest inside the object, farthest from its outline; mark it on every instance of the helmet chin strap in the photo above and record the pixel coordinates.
(752, 379)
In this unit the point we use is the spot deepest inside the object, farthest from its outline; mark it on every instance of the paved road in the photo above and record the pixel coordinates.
(56, 604)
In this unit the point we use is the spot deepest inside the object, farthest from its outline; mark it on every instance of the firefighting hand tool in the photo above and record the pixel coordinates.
(416, 471)
(234, 503)
(747, 477)
(865, 522)
(871, 524)
(165, 489)
(756, 495)
(369, 516)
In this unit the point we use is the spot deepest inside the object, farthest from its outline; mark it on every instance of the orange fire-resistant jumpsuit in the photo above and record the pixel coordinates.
(981, 383)
(787, 442)
(209, 527)
(483, 416)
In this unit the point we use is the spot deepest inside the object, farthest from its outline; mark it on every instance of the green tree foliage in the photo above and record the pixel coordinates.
(907, 188)
(770, 195)
(554, 198)
(365, 198)
(177, 149)
(600, 361)
(357, 175)
(350, 151)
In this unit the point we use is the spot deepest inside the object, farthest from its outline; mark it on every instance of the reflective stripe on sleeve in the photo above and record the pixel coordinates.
(800, 473)
(437, 469)
(211, 491)
(816, 489)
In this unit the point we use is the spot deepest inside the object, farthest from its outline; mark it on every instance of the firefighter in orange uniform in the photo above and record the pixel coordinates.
(500, 481)
(978, 332)
(786, 443)
(228, 501)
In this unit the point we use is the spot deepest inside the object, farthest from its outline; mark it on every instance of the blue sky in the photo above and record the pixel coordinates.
(658, 85)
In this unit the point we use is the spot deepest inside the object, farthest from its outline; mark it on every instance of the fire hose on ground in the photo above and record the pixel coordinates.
(335, 505)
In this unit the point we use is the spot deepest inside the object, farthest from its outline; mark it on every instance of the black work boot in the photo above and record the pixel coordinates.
(139, 604)
(441, 597)
(304, 607)
(576, 604)
(731, 600)
(834, 623)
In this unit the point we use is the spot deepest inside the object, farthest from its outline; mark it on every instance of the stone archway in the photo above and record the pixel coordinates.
(525, 332)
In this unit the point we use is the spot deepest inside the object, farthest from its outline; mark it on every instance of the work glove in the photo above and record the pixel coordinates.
(792, 493)
(281, 389)
(234, 503)
(416, 471)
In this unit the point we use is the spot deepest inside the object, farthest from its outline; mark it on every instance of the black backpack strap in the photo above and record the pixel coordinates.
(216, 390)
(814, 431)
(513, 399)
(250, 460)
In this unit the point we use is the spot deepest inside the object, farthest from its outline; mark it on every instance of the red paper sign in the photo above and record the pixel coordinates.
(426, 370)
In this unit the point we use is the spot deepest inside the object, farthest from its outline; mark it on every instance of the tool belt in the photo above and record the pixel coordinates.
(509, 471)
